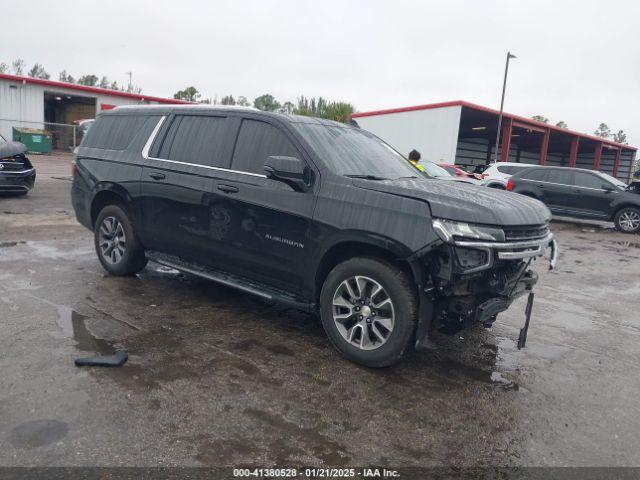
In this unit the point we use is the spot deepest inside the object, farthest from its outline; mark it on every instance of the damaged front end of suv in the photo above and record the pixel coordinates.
(17, 174)
(477, 271)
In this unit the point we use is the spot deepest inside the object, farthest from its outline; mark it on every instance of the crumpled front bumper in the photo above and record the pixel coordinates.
(520, 250)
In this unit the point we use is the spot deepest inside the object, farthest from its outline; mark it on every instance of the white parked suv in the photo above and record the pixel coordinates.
(497, 174)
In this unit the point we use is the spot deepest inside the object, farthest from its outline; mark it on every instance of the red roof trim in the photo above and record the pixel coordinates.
(429, 106)
(462, 103)
(85, 88)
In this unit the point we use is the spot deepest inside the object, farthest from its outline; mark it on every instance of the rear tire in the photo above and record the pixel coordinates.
(116, 243)
(627, 220)
(368, 308)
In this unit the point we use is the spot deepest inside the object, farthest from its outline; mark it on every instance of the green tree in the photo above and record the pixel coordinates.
(228, 100)
(287, 107)
(104, 82)
(266, 103)
(338, 111)
(243, 102)
(114, 86)
(38, 71)
(18, 66)
(620, 137)
(603, 131)
(562, 124)
(189, 94)
(540, 118)
(63, 76)
(4, 67)
(88, 80)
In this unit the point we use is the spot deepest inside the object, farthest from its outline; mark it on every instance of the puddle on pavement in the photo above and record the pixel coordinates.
(490, 364)
(168, 270)
(37, 433)
(10, 244)
(73, 326)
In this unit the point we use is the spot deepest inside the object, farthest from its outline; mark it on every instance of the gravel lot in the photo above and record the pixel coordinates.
(216, 377)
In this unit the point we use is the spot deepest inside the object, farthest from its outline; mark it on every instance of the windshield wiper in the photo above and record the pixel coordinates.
(367, 177)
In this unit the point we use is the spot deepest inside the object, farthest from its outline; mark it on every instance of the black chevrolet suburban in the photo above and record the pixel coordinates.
(314, 214)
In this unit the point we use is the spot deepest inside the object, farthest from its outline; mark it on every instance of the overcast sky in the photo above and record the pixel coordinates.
(578, 61)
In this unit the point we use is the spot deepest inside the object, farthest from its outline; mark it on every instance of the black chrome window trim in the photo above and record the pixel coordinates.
(154, 134)
(565, 185)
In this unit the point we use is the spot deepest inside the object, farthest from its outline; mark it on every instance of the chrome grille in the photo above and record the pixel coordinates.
(12, 166)
(525, 233)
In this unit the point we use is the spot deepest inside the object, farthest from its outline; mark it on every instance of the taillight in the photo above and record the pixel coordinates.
(509, 185)
(74, 169)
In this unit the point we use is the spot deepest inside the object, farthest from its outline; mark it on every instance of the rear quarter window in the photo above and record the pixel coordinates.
(114, 132)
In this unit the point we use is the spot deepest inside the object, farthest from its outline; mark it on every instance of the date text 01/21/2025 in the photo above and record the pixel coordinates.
(316, 473)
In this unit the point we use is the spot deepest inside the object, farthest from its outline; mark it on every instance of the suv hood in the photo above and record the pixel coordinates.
(11, 149)
(464, 202)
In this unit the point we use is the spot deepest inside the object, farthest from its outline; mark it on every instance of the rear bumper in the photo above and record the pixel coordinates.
(81, 202)
(21, 181)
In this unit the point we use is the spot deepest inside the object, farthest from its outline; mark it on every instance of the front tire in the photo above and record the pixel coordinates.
(627, 220)
(368, 308)
(116, 243)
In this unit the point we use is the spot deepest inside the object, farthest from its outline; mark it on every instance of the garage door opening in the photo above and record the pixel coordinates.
(60, 108)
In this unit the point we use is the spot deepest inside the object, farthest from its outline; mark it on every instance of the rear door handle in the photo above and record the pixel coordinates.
(228, 188)
(157, 176)
(540, 186)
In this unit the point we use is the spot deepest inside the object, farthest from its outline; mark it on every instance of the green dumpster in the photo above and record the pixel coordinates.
(37, 141)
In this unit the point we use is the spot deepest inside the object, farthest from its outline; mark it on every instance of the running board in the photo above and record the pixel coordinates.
(252, 287)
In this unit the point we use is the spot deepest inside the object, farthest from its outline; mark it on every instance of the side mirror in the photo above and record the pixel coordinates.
(289, 170)
(607, 187)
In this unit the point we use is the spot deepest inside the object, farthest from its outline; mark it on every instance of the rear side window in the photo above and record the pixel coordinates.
(588, 180)
(538, 174)
(562, 177)
(257, 141)
(113, 132)
(195, 139)
(451, 170)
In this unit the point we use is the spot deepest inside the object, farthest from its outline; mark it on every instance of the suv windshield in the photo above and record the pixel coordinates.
(354, 152)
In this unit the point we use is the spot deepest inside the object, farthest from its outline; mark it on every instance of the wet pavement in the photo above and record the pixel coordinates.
(216, 377)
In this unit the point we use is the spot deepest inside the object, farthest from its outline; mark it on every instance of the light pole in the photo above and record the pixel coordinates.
(504, 87)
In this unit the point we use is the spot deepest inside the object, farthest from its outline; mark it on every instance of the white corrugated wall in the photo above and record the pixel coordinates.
(24, 102)
(433, 132)
(20, 101)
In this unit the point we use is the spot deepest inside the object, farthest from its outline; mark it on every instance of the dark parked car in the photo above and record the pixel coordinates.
(314, 214)
(576, 192)
(17, 175)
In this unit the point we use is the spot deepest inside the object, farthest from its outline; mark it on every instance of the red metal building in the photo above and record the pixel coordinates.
(466, 135)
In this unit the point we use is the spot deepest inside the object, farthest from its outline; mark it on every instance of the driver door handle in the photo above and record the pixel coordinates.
(228, 188)
(157, 176)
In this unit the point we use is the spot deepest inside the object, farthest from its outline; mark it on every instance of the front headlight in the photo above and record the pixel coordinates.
(448, 231)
